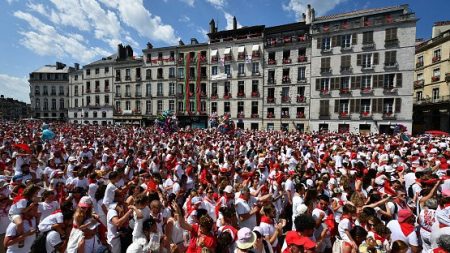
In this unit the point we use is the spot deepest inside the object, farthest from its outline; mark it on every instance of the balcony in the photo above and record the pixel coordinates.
(368, 45)
(418, 84)
(192, 77)
(324, 92)
(287, 61)
(180, 61)
(159, 77)
(325, 71)
(344, 115)
(128, 78)
(271, 62)
(301, 80)
(53, 94)
(241, 74)
(97, 90)
(228, 58)
(435, 78)
(255, 116)
(214, 96)
(300, 115)
(419, 64)
(202, 59)
(118, 79)
(367, 68)
(203, 94)
(138, 78)
(367, 91)
(203, 77)
(302, 58)
(345, 92)
(389, 90)
(228, 75)
(391, 43)
(227, 96)
(301, 99)
(87, 91)
(346, 70)
(324, 115)
(365, 115)
(117, 95)
(180, 95)
(241, 56)
(286, 80)
(347, 48)
(435, 59)
(255, 94)
(270, 115)
(285, 115)
(285, 99)
(171, 76)
(241, 95)
(326, 50)
(148, 77)
(270, 100)
(256, 55)
(391, 65)
(388, 115)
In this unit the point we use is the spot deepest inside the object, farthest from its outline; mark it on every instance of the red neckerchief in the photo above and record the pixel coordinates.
(406, 228)
(439, 250)
(378, 237)
(446, 205)
(266, 219)
(19, 196)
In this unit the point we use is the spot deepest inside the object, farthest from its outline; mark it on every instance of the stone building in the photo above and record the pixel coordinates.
(12, 109)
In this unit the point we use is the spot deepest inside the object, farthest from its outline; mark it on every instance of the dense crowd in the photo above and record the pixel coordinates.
(135, 189)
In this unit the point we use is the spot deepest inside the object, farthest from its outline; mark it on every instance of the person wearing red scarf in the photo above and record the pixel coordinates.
(346, 224)
(269, 229)
(403, 229)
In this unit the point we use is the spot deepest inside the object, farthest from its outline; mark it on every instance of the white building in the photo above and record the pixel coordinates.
(49, 94)
(362, 70)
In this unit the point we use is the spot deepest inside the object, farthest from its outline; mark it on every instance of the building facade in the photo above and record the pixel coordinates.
(12, 109)
(362, 70)
(431, 81)
(49, 92)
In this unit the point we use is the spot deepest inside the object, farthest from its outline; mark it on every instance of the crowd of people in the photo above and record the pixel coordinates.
(138, 189)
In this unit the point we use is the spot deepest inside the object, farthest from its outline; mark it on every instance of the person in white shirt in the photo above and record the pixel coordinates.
(13, 239)
(247, 208)
(56, 241)
(116, 218)
(48, 204)
(403, 229)
(140, 214)
(269, 229)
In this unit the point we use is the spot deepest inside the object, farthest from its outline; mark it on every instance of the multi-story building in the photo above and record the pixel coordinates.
(76, 96)
(431, 81)
(49, 86)
(287, 53)
(12, 109)
(236, 66)
(362, 70)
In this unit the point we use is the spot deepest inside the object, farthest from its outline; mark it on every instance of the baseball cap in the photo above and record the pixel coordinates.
(228, 189)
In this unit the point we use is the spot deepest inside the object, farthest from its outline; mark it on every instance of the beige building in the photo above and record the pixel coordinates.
(431, 81)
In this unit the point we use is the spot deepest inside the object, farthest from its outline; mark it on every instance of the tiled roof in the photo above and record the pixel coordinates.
(357, 12)
(51, 69)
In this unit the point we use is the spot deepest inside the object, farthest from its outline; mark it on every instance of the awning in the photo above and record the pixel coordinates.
(214, 52)
(227, 50)
(241, 49)
(255, 48)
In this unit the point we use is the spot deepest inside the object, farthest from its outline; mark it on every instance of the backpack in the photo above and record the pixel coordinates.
(338, 245)
(39, 243)
(411, 191)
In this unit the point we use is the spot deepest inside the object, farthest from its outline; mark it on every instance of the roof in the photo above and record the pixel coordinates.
(109, 59)
(52, 69)
(242, 30)
(287, 28)
(360, 12)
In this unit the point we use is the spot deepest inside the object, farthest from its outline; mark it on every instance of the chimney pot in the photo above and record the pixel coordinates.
(234, 23)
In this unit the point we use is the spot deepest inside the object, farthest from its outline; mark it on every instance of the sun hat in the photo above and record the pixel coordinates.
(246, 238)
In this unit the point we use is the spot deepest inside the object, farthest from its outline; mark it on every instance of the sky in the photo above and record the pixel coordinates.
(35, 33)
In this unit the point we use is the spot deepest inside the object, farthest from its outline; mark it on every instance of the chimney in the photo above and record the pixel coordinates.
(440, 27)
(303, 17)
(212, 26)
(308, 15)
(60, 65)
(77, 66)
(149, 45)
(313, 15)
(234, 23)
(121, 54)
(194, 41)
(129, 52)
(180, 43)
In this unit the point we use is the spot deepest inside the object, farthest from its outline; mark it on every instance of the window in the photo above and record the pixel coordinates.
(118, 106)
(226, 107)
(53, 90)
(97, 86)
(391, 34)
(326, 43)
(97, 71)
(117, 74)
(241, 68)
(171, 72)
(94, 114)
(240, 108)
(254, 108)
(148, 107)
(366, 61)
(97, 100)
(103, 114)
(37, 104)
(172, 90)
(117, 90)
(228, 69)
(255, 85)
(45, 104)
(324, 84)
(214, 70)
(325, 65)
(388, 105)
(345, 62)
(75, 77)
(436, 55)
(389, 81)
(88, 100)
(88, 87)
(106, 70)
(213, 107)
(419, 61)
(61, 90)
(324, 108)
(345, 83)
(241, 89)
(172, 105)
(106, 99)
(138, 105)
(159, 89)
(420, 77)
(127, 105)
(390, 58)
(180, 73)
(76, 102)
(366, 82)
(53, 104)
(128, 91)
(180, 106)
(148, 74)
(88, 72)
(365, 105)
(255, 67)
(301, 74)
(419, 95)
(127, 74)
(45, 92)
(368, 37)
(346, 41)
(227, 88)
(214, 89)
(138, 90)
(138, 73)
(76, 91)
(343, 106)
(436, 74)
(148, 89)
(301, 91)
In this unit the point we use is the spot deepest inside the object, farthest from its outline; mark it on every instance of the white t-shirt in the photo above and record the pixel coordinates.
(138, 223)
(243, 207)
(268, 230)
(53, 239)
(108, 199)
(344, 224)
(112, 229)
(47, 223)
(17, 207)
(296, 202)
(45, 209)
(397, 234)
(84, 183)
(11, 232)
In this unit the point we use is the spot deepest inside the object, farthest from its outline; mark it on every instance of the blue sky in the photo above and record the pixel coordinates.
(35, 33)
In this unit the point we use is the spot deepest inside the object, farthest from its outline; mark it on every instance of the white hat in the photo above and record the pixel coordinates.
(389, 169)
(301, 209)
(228, 189)
(380, 180)
(121, 161)
(246, 238)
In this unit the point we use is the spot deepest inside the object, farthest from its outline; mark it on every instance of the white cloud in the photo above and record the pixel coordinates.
(69, 13)
(134, 14)
(229, 19)
(219, 4)
(320, 6)
(189, 2)
(44, 39)
(15, 87)
(184, 19)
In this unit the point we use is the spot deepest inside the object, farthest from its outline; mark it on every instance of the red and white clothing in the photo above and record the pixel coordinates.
(267, 226)
(403, 232)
